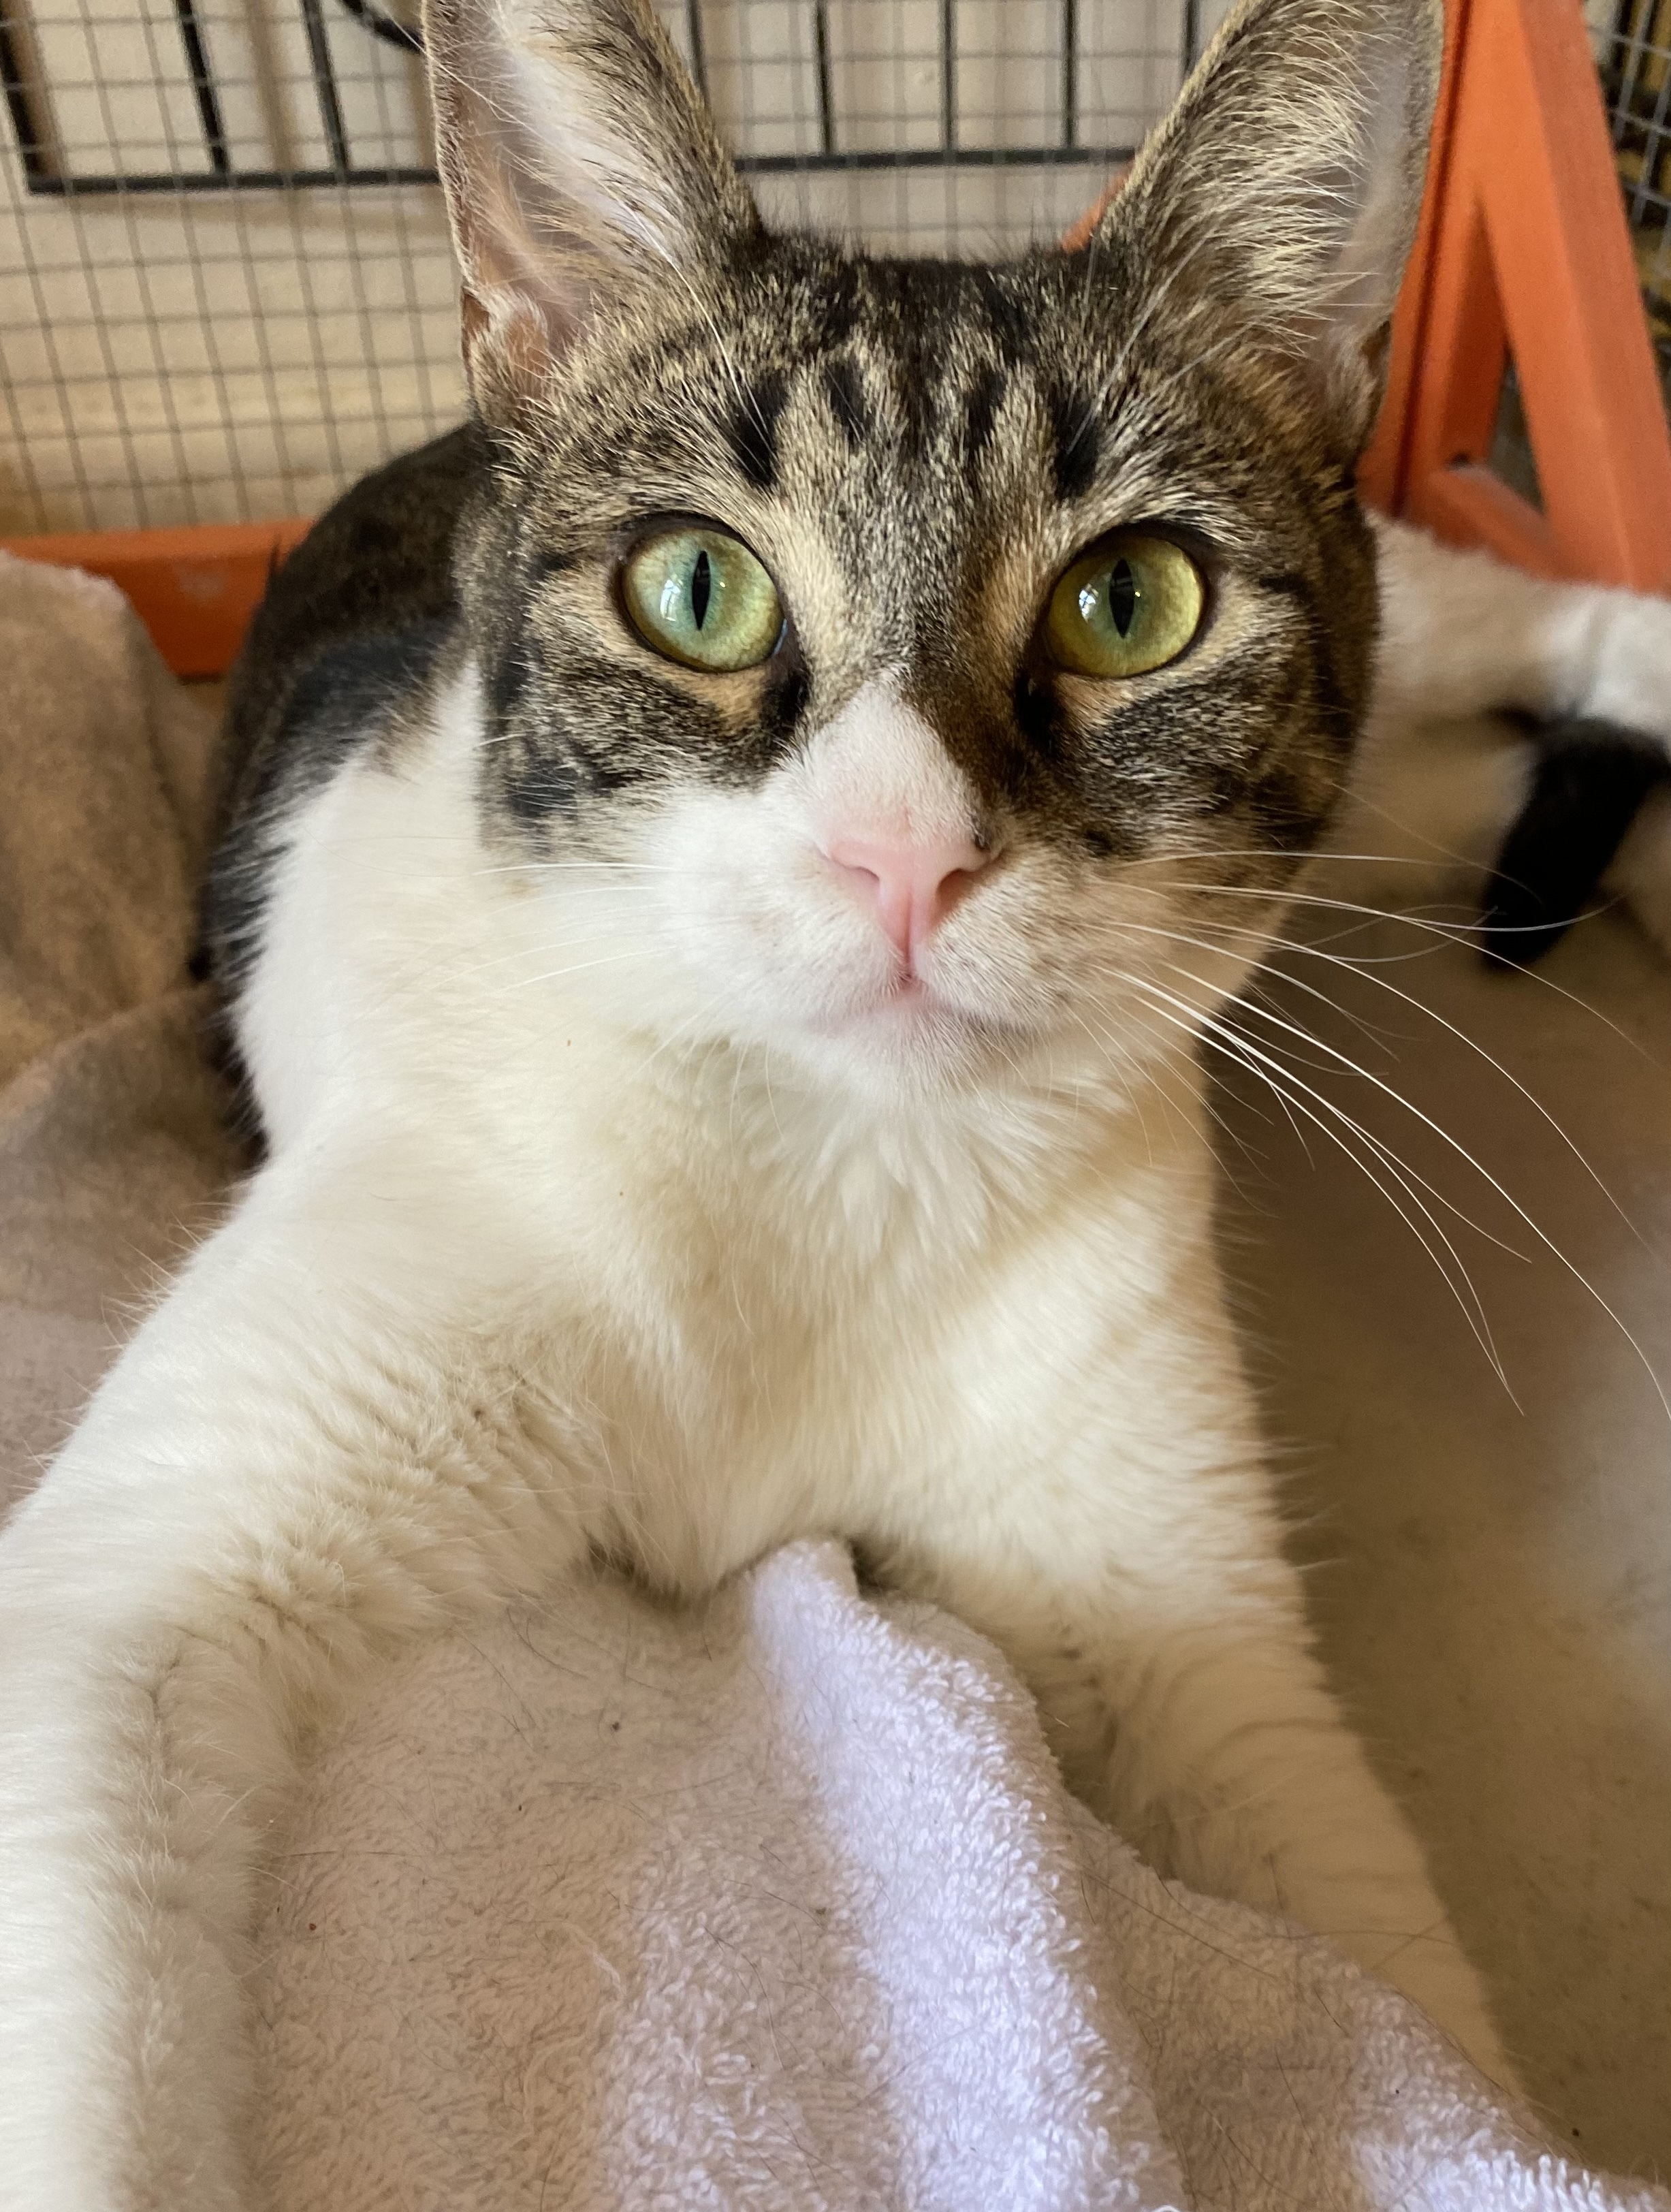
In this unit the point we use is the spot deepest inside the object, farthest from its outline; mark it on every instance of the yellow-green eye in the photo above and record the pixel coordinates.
(700, 596)
(1132, 606)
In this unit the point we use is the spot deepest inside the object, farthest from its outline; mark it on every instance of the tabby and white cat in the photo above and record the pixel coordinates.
(703, 967)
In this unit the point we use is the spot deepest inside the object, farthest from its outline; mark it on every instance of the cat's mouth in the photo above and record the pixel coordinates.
(914, 1015)
(906, 1005)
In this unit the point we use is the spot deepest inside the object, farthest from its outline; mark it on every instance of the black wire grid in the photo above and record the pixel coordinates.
(1632, 42)
(225, 287)
(46, 171)
(1636, 77)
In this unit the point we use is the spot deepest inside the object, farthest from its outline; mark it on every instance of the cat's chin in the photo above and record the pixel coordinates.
(912, 1030)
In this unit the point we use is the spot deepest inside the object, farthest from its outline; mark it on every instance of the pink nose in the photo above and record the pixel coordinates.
(913, 887)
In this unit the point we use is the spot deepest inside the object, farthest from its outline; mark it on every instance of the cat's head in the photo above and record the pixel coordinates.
(913, 666)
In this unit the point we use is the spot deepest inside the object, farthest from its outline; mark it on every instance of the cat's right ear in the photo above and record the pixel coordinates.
(581, 168)
(1272, 210)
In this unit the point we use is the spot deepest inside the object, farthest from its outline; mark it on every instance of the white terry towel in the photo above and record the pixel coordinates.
(779, 1903)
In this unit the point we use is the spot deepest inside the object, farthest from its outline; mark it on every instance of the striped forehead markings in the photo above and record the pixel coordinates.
(1077, 436)
(844, 389)
(984, 402)
(752, 429)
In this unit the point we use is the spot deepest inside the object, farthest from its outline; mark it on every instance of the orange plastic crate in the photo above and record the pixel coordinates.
(194, 589)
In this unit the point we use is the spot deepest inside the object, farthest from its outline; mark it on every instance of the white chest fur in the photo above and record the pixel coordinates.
(856, 1308)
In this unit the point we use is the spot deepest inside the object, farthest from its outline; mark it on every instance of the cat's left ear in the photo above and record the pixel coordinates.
(1273, 209)
(582, 171)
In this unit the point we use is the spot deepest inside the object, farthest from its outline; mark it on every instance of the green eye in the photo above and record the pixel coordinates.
(1132, 606)
(702, 597)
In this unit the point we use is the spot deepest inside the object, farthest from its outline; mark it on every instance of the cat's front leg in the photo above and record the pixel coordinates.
(298, 1464)
(1178, 1688)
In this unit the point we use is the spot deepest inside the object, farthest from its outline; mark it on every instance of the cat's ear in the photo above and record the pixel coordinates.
(1279, 198)
(581, 168)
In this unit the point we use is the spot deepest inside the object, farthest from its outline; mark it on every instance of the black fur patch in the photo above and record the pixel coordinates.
(518, 667)
(1288, 584)
(1038, 715)
(1074, 426)
(340, 699)
(845, 391)
(1008, 316)
(786, 694)
(839, 303)
(337, 705)
(752, 429)
(984, 403)
(1591, 778)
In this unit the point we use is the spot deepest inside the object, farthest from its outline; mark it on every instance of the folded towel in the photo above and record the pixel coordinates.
(778, 1901)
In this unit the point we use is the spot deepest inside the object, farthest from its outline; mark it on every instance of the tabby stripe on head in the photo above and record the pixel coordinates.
(984, 403)
(1006, 313)
(752, 429)
(1073, 421)
(519, 666)
(845, 394)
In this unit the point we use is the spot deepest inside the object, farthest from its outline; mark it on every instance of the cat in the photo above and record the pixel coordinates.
(701, 957)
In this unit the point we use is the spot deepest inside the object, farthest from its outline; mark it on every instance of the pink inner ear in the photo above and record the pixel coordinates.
(911, 886)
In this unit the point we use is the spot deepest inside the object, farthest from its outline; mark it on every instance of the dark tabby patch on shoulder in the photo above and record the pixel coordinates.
(342, 697)
(753, 428)
(338, 705)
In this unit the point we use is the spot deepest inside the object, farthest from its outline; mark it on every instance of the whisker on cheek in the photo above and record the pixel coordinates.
(1324, 1114)
(1368, 971)
(1344, 1060)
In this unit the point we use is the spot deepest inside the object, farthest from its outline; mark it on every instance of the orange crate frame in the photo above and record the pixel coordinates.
(194, 588)
(1523, 248)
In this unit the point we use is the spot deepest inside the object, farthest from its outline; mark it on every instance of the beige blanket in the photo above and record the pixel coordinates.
(112, 1150)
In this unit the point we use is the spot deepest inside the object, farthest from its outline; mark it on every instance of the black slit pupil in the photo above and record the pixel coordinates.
(701, 587)
(1123, 596)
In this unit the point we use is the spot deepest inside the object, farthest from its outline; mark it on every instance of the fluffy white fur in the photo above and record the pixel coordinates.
(543, 1262)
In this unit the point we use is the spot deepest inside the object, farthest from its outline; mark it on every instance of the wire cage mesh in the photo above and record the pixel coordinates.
(1630, 40)
(226, 289)
(1634, 53)
(225, 283)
